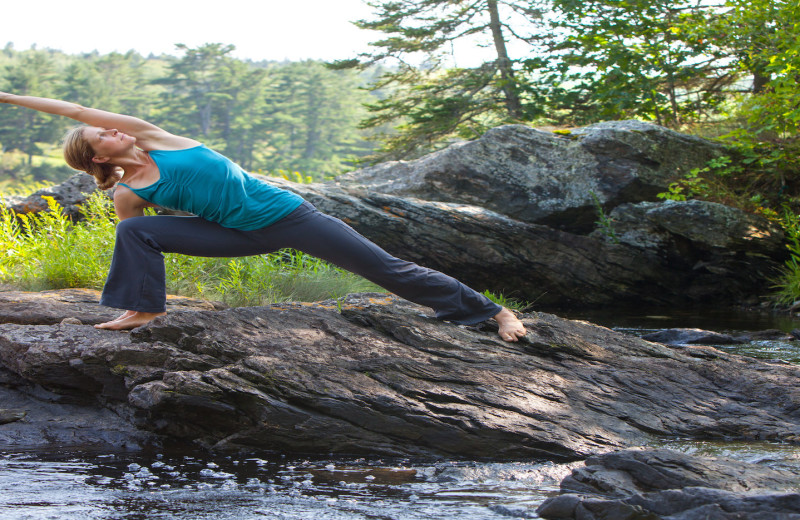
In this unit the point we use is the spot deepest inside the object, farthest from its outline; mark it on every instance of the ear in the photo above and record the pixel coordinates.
(100, 159)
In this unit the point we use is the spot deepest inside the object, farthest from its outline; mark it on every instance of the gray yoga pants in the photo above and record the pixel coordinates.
(136, 279)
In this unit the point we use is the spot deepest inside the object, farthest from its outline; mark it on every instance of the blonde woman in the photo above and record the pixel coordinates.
(236, 215)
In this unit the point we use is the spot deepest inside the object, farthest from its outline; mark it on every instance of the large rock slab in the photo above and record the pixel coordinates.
(543, 177)
(667, 484)
(375, 375)
(533, 262)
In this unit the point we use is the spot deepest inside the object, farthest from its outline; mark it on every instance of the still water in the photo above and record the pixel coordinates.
(176, 484)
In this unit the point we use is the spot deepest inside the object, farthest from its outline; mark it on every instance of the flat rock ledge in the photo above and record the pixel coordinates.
(655, 484)
(372, 374)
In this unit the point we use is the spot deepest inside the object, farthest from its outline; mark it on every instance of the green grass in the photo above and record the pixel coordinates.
(46, 251)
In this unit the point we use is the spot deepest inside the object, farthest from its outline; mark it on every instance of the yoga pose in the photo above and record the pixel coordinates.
(236, 215)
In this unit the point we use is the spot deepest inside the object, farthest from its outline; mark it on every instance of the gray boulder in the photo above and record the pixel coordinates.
(542, 177)
(70, 194)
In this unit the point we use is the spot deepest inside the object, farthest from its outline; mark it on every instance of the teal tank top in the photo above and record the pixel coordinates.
(207, 184)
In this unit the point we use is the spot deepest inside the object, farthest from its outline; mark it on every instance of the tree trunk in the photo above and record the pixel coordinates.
(513, 105)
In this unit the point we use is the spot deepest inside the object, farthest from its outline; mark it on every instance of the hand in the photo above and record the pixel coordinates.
(4, 97)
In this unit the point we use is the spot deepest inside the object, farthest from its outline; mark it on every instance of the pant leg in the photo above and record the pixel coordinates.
(332, 240)
(136, 279)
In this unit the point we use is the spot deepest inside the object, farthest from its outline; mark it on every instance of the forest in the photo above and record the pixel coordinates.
(269, 117)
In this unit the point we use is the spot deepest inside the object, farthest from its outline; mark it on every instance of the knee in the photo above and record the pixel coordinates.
(129, 227)
(136, 230)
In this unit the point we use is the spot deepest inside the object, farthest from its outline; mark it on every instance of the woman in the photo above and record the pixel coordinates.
(237, 215)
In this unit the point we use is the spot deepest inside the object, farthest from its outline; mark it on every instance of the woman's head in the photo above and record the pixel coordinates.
(79, 154)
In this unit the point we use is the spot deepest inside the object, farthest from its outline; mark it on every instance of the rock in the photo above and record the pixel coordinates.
(487, 250)
(667, 484)
(74, 306)
(545, 178)
(372, 374)
(707, 226)
(9, 416)
(70, 194)
(46, 420)
(692, 336)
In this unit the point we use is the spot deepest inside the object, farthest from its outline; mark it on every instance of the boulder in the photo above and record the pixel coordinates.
(663, 483)
(542, 177)
(371, 374)
(537, 263)
(70, 194)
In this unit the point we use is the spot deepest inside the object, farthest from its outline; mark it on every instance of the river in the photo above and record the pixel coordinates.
(177, 484)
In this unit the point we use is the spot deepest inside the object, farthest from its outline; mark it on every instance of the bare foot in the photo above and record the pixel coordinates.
(511, 329)
(123, 316)
(130, 320)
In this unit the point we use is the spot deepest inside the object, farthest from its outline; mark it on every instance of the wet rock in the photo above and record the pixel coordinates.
(9, 416)
(667, 484)
(375, 375)
(682, 336)
(49, 420)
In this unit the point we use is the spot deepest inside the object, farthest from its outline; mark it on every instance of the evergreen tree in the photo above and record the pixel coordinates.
(433, 102)
(22, 129)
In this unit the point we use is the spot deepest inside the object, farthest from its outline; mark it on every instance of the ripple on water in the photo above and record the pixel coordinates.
(178, 486)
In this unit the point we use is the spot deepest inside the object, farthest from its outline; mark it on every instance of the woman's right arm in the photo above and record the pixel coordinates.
(148, 135)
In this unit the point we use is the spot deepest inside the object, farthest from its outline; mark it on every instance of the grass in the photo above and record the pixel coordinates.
(46, 250)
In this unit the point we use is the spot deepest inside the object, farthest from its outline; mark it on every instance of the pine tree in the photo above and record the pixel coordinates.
(434, 101)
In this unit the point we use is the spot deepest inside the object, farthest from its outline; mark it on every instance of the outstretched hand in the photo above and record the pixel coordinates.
(4, 96)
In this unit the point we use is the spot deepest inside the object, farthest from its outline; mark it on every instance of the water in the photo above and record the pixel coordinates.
(176, 484)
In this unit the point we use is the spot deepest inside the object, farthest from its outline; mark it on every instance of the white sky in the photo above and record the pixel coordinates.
(260, 29)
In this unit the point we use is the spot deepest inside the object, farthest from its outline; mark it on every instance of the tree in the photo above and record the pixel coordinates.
(431, 101)
(215, 97)
(22, 129)
(653, 59)
(313, 115)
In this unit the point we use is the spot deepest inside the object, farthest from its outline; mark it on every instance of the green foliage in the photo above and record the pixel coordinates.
(787, 285)
(509, 303)
(433, 103)
(603, 221)
(649, 59)
(47, 251)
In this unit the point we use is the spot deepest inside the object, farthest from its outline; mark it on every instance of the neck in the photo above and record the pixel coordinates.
(132, 162)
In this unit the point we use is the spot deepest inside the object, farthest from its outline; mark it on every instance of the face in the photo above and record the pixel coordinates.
(107, 142)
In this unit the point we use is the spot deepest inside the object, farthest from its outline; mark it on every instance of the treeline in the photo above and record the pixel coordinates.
(678, 63)
(267, 116)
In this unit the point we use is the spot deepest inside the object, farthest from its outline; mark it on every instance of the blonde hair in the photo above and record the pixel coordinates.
(79, 153)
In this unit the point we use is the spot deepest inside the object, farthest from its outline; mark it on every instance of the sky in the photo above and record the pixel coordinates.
(260, 29)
